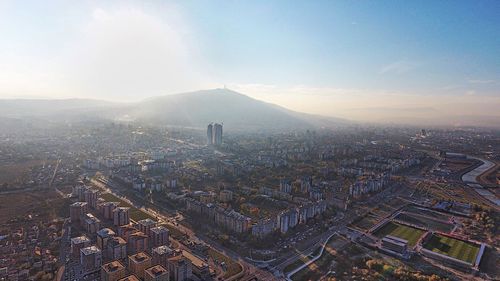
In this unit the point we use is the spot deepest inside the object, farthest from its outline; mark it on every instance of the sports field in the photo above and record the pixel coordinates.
(452, 247)
(425, 222)
(402, 231)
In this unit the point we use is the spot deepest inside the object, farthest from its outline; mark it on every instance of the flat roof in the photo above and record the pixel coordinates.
(140, 257)
(163, 250)
(80, 239)
(129, 278)
(90, 250)
(105, 232)
(396, 239)
(156, 270)
(147, 222)
(117, 240)
(113, 266)
(159, 229)
(78, 204)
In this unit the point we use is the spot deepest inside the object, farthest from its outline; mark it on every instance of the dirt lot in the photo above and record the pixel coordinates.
(10, 173)
(456, 165)
(15, 209)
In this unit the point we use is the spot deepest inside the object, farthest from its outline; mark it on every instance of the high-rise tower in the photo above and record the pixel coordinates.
(210, 134)
(217, 140)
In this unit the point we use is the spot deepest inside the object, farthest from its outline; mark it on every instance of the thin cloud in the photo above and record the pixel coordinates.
(399, 67)
(479, 81)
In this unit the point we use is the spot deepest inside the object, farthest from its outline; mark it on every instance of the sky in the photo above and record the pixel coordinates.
(362, 60)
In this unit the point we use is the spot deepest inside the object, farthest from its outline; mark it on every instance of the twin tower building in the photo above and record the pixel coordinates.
(214, 134)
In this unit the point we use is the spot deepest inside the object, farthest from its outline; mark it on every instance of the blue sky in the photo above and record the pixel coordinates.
(279, 51)
(430, 44)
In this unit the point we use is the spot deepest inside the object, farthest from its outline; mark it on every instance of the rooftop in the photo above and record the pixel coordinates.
(147, 222)
(90, 250)
(139, 257)
(156, 270)
(80, 239)
(129, 278)
(117, 241)
(113, 266)
(78, 204)
(105, 232)
(162, 250)
(159, 229)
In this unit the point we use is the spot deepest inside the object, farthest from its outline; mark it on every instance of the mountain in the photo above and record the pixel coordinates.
(235, 110)
(194, 109)
(48, 107)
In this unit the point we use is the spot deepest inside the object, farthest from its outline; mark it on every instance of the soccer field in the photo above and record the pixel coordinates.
(402, 231)
(452, 247)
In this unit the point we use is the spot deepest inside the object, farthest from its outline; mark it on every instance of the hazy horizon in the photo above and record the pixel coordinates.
(365, 61)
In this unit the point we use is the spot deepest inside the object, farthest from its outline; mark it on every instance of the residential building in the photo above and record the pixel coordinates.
(130, 278)
(121, 216)
(90, 258)
(285, 185)
(116, 248)
(103, 236)
(137, 242)
(264, 227)
(158, 236)
(217, 134)
(180, 268)
(91, 198)
(145, 225)
(78, 243)
(156, 273)
(108, 208)
(91, 223)
(112, 271)
(161, 254)
(76, 210)
(138, 263)
(210, 140)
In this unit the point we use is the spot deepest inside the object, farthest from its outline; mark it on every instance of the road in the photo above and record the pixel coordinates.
(249, 269)
(313, 243)
(470, 179)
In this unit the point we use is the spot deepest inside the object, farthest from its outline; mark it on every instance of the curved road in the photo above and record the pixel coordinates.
(470, 179)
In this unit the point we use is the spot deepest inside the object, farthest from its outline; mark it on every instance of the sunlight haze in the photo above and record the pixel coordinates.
(407, 62)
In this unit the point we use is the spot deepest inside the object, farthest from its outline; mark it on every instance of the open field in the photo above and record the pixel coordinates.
(456, 166)
(135, 213)
(328, 259)
(425, 222)
(402, 231)
(42, 205)
(426, 212)
(452, 247)
(233, 267)
(174, 232)
(366, 222)
(13, 172)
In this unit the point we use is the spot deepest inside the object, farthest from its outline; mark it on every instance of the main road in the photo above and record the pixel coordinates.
(249, 269)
